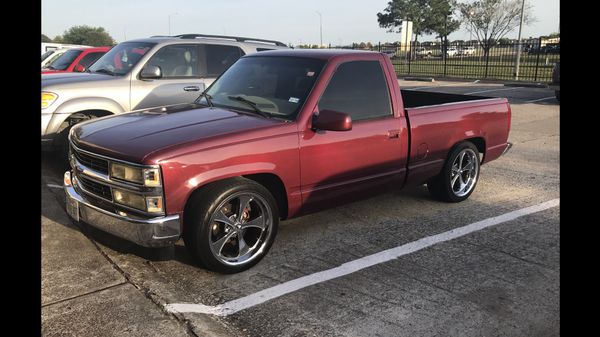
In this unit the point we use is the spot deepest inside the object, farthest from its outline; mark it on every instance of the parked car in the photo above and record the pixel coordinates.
(49, 46)
(279, 134)
(555, 84)
(75, 60)
(452, 51)
(139, 74)
(51, 55)
(423, 52)
(466, 51)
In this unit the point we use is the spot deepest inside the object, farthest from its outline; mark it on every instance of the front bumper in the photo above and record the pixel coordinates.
(155, 232)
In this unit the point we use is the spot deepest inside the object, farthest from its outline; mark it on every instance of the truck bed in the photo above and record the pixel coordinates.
(417, 99)
(438, 121)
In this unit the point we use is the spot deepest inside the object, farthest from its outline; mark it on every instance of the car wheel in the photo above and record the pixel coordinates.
(459, 175)
(230, 225)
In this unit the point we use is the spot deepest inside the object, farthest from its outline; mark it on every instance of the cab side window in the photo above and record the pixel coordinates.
(177, 61)
(359, 89)
(218, 58)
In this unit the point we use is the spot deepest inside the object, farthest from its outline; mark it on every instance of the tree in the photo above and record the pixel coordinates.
(404, 10)
(92, 36)
(440, 21)
(46, 39)
(490, 20)
(428, 16)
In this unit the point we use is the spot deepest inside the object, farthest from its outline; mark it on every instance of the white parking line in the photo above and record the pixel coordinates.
(54, 186)
(265, 295)
(490, 90)
(541, 99)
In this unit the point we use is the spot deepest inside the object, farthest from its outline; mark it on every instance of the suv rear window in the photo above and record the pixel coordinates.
(218, 58)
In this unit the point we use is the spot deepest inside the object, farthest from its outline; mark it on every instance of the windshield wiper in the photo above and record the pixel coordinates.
(105, 71)
(208, 98)
(250, 103)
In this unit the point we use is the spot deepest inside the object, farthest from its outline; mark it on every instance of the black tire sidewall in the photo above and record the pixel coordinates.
(198, 229)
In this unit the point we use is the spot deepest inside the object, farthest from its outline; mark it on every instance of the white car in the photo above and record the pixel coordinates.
(468, 50)
(452, 51)
(423, 52)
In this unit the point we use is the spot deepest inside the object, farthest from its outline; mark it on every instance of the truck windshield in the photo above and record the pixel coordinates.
(121, 58)
(278, 86)
(65, 60)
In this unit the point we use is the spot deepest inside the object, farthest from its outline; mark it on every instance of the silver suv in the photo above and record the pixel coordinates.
(139, 74)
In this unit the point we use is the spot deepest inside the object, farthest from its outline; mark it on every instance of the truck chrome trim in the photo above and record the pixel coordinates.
(152, 232)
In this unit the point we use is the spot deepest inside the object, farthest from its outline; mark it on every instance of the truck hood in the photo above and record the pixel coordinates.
(75, 79)
(133, 136)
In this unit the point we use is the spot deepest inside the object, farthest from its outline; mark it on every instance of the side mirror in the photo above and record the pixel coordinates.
(79, 68)
(332, 121)
(151, 72)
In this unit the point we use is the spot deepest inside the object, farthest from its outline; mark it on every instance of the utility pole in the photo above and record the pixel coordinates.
(519, 42)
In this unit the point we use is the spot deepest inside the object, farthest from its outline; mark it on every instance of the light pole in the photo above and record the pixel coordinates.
(320, 27)
(519, 42)
(170, 21)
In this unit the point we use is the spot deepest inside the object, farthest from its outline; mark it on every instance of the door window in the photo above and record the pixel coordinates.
(359, 89)
(177, 61)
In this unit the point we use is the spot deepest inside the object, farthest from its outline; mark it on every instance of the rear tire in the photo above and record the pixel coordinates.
(459, 175)
(230, 225)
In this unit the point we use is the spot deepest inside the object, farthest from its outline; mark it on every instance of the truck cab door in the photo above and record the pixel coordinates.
(336, 165)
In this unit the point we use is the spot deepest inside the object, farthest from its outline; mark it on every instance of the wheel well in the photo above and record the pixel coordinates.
(272, 183)
(479, 143)
(84, 114)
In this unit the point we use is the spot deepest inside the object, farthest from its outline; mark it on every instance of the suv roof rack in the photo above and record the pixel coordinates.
(236, 38)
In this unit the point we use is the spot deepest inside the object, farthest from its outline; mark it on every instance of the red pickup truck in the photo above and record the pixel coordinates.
(75, 60)
(279, 134)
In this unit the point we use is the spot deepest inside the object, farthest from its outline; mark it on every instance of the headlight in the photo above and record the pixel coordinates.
(147, 176)
(129, 199)
(148, 204)
(48, 98)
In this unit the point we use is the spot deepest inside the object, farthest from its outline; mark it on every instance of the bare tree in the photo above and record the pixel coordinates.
(490, 20)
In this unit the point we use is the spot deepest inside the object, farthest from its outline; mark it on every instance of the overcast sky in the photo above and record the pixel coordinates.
(293, 22)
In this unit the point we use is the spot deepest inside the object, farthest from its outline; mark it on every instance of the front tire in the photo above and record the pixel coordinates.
(230, 225)
(459, 175)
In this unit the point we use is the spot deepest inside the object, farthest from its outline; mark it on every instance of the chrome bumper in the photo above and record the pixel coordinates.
(155, 232)
(508, 147)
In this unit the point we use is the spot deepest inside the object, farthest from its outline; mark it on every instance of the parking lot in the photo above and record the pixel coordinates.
(501, 278)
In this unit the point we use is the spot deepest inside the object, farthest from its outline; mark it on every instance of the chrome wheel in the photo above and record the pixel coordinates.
(463, 175)
(240, 228)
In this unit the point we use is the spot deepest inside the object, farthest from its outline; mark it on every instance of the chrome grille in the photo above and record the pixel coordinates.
(94, 163)
(101, 190)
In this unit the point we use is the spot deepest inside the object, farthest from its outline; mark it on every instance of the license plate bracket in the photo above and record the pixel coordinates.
(72, 206)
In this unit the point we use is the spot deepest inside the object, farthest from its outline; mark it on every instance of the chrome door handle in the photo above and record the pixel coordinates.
(191, 88)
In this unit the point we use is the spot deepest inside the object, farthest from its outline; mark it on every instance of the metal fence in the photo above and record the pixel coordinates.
(469, 60)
